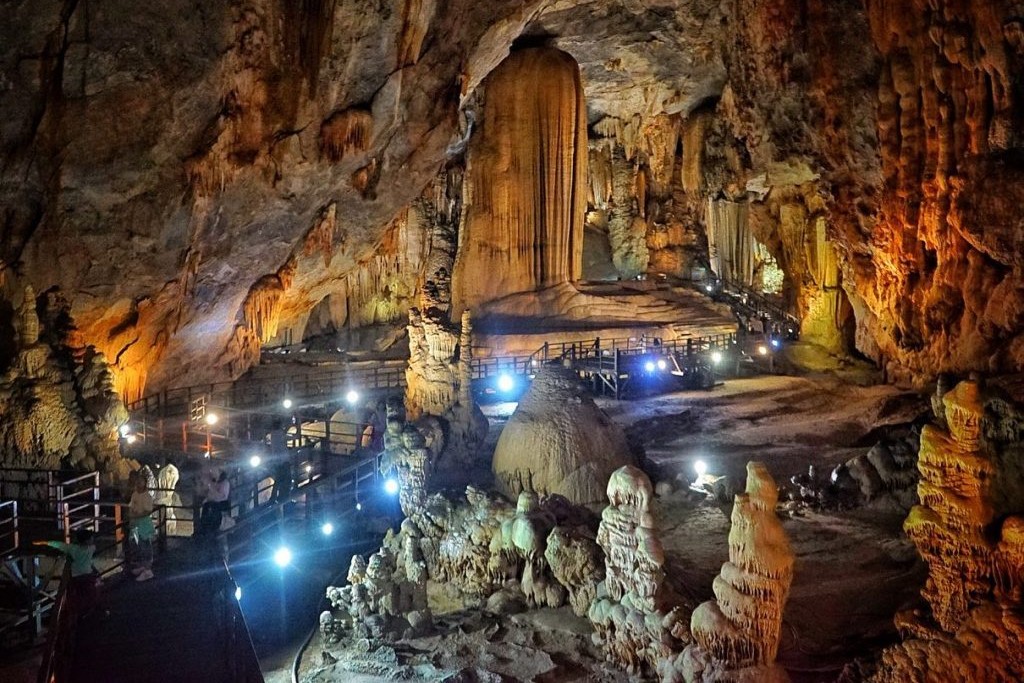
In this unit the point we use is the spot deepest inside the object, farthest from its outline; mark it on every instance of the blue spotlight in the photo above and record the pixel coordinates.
(282, 557)
(391, 486)
(776, 343)
(327, 528)
(662, 364)
(649, 366)
(238, 592)
(506, 383)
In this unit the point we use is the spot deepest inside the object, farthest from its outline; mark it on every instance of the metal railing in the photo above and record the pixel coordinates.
(56, 662)
(239, 651)
(9, 534)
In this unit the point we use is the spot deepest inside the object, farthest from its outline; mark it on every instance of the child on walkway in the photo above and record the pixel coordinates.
(141, 530)
(84, 577)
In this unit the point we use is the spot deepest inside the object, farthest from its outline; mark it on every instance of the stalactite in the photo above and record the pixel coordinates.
(692, 168)
(416, 17)
(526, 181)
(320, 237)
(345, 133)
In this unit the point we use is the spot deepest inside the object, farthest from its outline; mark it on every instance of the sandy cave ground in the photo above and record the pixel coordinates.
(854, 568)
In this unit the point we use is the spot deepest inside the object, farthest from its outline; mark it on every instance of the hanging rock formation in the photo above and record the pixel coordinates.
(526, 181)
(968, 529)
(737, 635)
(558, 442)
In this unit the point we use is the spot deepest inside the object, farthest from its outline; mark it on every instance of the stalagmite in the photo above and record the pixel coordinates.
(737, 635)
(633, 617)
(558, 441)
(526, 184)
(968, 528)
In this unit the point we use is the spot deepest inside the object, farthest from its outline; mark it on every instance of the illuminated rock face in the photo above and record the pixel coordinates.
(58, 407)
(526, 194)
(558, 442)
(968, 529)
(737, 635)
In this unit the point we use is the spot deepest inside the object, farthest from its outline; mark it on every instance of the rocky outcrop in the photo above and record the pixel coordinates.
(558, 442)
(967, 527)
(737, 635)
(525, 194)
(58, 406)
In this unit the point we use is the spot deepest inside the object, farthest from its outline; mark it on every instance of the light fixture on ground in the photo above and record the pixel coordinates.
(327, 528)
(506, 383)
(211, 418)
(125, 429)
(716, 357)
(662, 364)
(391, 486)
(287, 403)
(763, 350)
(776, 343)
(352, 397)
(255, 461)
(649, 366)
(700, 467)
(282, 557)
(309, 468)
(709, 288)
(238, 592)
(359, 506)
(130, 438)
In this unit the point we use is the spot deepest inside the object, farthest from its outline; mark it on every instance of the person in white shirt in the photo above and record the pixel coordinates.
(218, 501)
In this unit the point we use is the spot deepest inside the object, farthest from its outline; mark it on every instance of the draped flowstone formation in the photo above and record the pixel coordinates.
(526, 185)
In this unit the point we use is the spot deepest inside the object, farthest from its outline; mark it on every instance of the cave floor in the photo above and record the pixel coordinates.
(854, 568)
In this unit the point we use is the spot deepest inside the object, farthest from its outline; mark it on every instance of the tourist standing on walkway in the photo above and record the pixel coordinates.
(141, 530)
(218, 501)
(278, 439)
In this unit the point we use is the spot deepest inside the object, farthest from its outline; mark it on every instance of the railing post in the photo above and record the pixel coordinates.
(96, 502)
(66, 519)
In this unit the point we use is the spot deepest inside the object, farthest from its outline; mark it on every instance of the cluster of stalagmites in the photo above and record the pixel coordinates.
(438, 380)
(482, 552)
(58, 406)
(883, 477)
(968, 527)
(736, 636)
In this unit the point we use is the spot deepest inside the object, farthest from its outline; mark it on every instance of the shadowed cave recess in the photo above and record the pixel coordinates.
(805, 215)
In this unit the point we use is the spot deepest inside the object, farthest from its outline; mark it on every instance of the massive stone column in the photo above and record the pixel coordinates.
(526, 182)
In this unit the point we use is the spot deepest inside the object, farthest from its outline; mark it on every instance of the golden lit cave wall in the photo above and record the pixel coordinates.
(526, 188)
